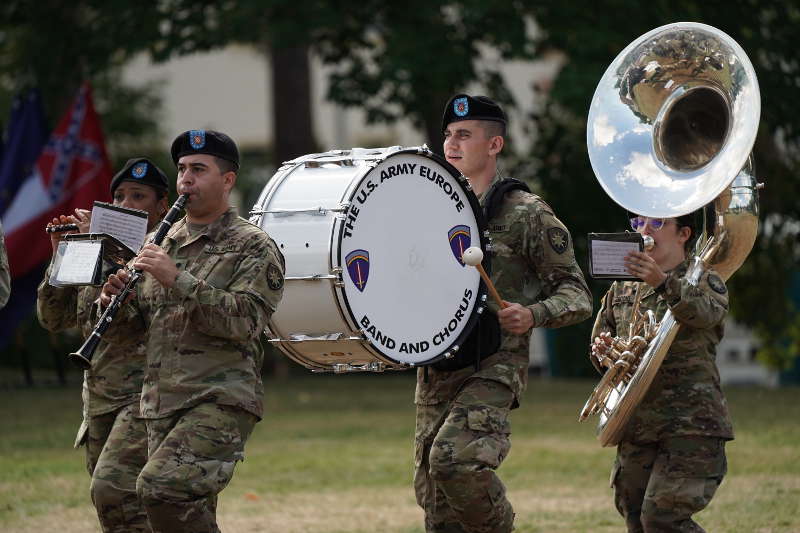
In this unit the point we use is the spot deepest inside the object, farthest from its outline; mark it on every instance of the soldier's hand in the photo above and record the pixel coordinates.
(114, 285)
(55, 237)
(643, 266)
(515, 318)
(155, 261)
(601, 345)
(83, 218)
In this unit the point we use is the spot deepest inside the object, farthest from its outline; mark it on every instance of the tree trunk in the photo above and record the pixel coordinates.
(432, 105)
(293, 132)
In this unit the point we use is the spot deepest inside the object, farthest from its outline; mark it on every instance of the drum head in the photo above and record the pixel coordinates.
(400, 245)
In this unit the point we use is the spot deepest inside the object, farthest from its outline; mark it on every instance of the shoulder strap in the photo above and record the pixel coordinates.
(496, 193)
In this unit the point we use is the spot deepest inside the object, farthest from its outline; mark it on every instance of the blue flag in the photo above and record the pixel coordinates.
(25, 137)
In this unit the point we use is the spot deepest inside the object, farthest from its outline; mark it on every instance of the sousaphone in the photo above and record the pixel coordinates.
(670, 130)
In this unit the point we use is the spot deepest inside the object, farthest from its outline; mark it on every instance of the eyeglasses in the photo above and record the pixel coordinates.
(638, 223)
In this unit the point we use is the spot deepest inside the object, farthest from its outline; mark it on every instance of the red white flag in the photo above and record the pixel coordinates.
(72, 171)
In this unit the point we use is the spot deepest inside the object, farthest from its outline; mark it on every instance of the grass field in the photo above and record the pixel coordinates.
(334, 454)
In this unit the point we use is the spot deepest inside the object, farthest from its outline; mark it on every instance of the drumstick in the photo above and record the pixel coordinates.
(473, 256)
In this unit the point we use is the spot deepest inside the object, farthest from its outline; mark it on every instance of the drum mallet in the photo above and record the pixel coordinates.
(473, 256)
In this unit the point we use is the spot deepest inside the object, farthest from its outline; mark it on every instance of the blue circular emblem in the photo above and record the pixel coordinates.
(461, 106)
(197, 139)
(139, 170)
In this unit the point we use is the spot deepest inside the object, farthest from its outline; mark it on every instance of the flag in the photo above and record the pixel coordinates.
(25, 137)
(71, 171)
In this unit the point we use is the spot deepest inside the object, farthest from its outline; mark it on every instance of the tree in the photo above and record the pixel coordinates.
(406, 59)
(57, 45)
(274, 28)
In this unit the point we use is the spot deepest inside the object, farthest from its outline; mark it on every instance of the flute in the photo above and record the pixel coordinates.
(60, 228)
(83, 357)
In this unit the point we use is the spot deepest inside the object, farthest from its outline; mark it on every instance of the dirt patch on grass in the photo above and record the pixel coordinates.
(356, 510)
(352, 511)
(60, 519)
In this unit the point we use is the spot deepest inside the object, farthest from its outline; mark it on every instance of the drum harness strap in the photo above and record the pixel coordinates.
(491, 207)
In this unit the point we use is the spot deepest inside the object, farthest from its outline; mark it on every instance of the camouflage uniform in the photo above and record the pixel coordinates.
(5, 275)
(462, 430)
(672, 456)
(114, 433)
(202, 391)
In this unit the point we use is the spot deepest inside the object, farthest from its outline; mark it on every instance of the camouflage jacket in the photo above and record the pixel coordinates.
(203, 334)
(115, 378)
(533, 264)
(5, 275)
(685, 397)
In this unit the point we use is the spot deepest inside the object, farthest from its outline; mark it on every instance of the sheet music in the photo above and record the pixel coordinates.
(78, 262)
(608, 257)
(129, 226)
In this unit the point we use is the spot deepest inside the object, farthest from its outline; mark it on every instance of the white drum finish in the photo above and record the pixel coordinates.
(390, 213)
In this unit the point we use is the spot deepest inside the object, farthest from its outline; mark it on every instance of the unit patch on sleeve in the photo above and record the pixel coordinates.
(558, 239)
(715, 283)
(274, 277)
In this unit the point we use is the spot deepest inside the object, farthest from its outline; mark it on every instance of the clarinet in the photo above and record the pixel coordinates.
(83, 357)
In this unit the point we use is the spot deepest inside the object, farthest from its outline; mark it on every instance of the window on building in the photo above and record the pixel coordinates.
(753, 352)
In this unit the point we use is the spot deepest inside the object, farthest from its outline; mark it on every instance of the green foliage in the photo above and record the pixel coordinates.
(393, 60)
(398, 60)
(56, 45)
(130, 118)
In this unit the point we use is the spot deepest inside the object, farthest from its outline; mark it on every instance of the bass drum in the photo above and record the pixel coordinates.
(373, 240)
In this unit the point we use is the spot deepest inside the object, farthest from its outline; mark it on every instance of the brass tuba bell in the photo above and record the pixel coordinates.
(670, 130)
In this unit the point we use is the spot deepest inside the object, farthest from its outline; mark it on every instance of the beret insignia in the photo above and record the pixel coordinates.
(274, 277)
(461, 106)
(558, 239)
(139, 170)
(197, 139)
(716, 284)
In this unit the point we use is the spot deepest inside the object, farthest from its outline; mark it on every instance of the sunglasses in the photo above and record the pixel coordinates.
(638, 223)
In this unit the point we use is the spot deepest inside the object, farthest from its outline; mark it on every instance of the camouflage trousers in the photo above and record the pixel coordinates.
(659, 486)
(116, 451)
(192, 454)
(459, 444)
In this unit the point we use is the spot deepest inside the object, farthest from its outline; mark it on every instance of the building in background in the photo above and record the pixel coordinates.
(736, 359)
(237, 99)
